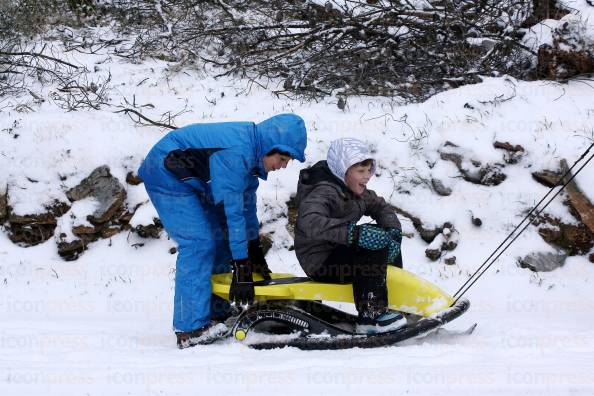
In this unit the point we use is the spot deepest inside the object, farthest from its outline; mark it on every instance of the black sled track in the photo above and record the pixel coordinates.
(315, 326)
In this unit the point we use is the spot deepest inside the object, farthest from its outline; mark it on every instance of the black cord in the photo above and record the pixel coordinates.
(463, 289)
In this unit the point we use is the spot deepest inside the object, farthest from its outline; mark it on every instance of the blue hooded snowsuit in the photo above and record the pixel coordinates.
(202, 180)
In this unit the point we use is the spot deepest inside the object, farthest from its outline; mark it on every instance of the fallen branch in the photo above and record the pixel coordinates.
(141, 116)
(35, 54)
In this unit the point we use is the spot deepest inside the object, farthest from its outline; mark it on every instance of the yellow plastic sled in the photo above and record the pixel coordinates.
(290, 311)
(406, 291)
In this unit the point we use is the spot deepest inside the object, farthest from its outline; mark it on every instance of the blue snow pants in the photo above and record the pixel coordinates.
(192, 222)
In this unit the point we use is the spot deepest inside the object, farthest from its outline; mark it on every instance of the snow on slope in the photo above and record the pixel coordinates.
(102, 324)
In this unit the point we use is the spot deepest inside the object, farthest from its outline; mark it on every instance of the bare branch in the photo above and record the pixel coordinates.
(142, 117)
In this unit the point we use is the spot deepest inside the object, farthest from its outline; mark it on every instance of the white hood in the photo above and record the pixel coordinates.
(346, 152)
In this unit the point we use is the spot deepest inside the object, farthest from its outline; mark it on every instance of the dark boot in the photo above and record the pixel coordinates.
(390, 320)
(369, 282)
(371, 293)
(208, 334)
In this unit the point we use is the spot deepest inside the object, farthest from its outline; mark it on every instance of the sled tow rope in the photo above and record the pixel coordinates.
(484, 266)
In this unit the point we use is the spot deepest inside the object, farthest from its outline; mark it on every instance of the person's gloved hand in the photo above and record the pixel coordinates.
(394, 245)
(368, 236)
(393, 251)
(395, 234)
(242, 284)
(256, 256)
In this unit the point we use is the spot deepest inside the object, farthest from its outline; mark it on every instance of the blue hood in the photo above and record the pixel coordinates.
(283, 132)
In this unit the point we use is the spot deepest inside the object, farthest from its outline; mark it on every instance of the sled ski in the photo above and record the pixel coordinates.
(288, 311)
(312, 325)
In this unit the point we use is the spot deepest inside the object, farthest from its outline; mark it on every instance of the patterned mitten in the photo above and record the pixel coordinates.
(395, 234)
(394, 246)
(368, 236)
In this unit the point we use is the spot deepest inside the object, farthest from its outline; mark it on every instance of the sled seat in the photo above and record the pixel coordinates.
(406, 291)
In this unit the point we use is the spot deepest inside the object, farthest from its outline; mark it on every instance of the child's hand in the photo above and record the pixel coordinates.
(368, 236)
(393, 250)
(394, 246)
(395, 234)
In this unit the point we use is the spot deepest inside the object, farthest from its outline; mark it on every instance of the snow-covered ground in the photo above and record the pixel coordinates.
(102, 324)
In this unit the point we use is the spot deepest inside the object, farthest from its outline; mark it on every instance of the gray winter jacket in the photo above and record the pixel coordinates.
(325, 207)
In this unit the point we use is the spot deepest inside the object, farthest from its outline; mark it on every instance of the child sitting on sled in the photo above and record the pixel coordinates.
(332, 196)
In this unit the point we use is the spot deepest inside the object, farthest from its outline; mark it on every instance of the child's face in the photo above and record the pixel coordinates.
(357, 177)
(275, 162)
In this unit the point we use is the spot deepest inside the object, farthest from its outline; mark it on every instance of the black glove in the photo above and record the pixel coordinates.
(256, 256)
(242, 285)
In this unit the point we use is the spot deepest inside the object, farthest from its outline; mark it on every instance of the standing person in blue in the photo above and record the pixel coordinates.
(202, 180)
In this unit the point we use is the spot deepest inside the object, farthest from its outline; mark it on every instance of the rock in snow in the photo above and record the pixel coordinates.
(471, 169)
(543, 262)
(106, 189)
